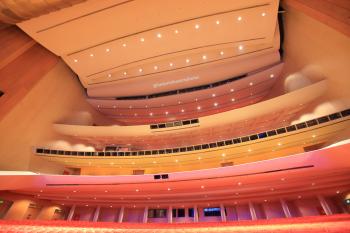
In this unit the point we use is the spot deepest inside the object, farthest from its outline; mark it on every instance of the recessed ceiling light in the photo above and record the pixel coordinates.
(109, 75)
(182, 110)
(106, 191)
(249, 150)
(41, 191)
(213, 95)
(232, 90)
(202, 186)
(159, 35)
(279, 144)
(125, 73)
(151, 113)
(111, 206)
(142, 39)
(239, 18)
(176, 31)
(313, 183)
(199, 158)
(154, 161)
(216, 104)
(265, 200)
(313, 136)
(187, 60)
(337, 192)
(239, 183)
(140, 70)
(75, 60)
(130, 106)
(94, 198)
(137, 190)
(171, 64)
(222, 53)
(135, 114)
(198, 107)
(74, 191)
(176, 161)
(169, 189)
(263, 14)
(272, 189)
(299, 197)
(86, 205)
(124, 45)
(134, 206)
(240, 47)
(217, 22)
(233, 99)
(272, 75)
(107, 50)
(250, 84)
(196, 26)
(204, 57)
(223, 154)
(179, 102)
(196, 99)
(283, 179)
(155, 67)
(91, 55)
(237, 194)
(166, 113)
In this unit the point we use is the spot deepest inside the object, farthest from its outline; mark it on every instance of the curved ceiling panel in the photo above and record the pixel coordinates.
(111, 44)
(236, 94)
(139, 135)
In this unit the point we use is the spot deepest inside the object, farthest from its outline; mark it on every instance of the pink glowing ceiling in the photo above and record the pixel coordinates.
(297, 175)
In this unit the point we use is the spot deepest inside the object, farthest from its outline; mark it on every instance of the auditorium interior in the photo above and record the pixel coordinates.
(174, 116)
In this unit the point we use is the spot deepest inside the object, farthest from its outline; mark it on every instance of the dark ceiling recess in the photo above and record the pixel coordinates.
(1, 93)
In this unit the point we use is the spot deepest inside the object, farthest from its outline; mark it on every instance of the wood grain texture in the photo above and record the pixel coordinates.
(23, 64)
(334, 13)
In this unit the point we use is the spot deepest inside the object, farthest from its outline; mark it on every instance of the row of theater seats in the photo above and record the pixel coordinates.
(316, 224)
(253, 137)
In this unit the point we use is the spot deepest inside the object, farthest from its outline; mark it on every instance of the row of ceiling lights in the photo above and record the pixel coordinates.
(176, 31)
(215, 104)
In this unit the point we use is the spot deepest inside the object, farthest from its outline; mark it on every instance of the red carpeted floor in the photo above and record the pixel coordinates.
(317, 224)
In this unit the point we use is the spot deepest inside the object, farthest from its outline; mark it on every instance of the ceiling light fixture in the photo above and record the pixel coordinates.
(204, 57)
(75, 60)
(151, 113)
(198, 107)
(155, 67)
(222, 53)
(124, 45)
(263, 14)
(140, 70)
(91, 55)
(142, 39)
(166, 113)
(176, 31)
(223, 154)
(182, 110)
(240, 47)
(239, 183)
(239, 18)
(107, 50)
(216, 104)
(169, 189)
(213, 95)
(159, 35)
(171, 64)
(125, 73)
(250, 84)
(109, 75)
(232, 90)
(196, 26)
(137, 190)
(187, 60)
(272, 75)
(202, 186)
(217, 22)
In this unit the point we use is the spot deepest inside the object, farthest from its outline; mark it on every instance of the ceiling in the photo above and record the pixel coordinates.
(268, 114)
(298, 175)
(138, 47)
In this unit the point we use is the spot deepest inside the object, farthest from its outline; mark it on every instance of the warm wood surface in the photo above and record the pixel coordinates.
(23, 63)
(334, 13)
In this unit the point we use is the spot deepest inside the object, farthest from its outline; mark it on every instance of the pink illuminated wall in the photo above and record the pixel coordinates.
(108, 214)
(243, 212)
(273, 210)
